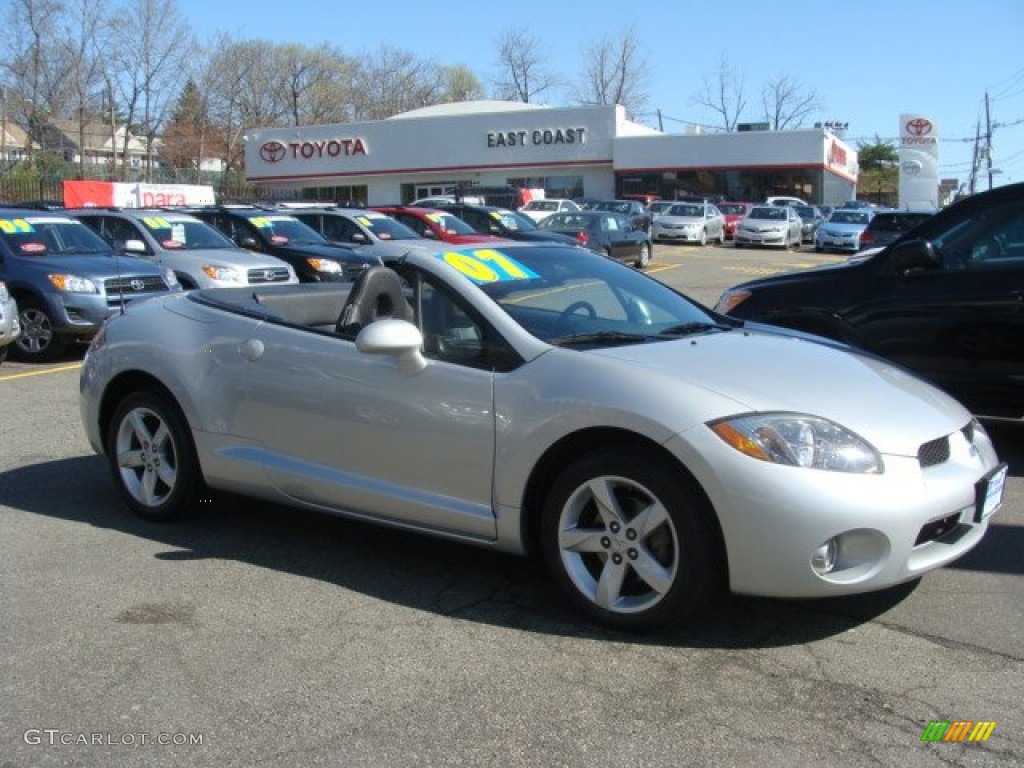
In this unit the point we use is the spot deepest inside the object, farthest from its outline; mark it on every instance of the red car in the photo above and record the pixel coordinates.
(437, 225)
(733, 212)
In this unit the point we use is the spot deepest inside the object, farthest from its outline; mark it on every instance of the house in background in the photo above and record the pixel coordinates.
(13, 144)
(94, 144)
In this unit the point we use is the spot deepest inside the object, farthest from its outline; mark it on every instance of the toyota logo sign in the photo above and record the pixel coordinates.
(919, 127)
(273, 151)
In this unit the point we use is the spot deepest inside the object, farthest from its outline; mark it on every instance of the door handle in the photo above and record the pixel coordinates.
(252, 349)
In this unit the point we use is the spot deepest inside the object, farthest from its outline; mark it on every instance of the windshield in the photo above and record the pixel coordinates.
(689, 211)
(185, 234)
(562, 221)
(386, 228)
(50, 236)
(612, 205)
(848, 217)
(286, 229)
(732, 209)
(568, 296)
(512, 220)
(451, 225)
(772, 213)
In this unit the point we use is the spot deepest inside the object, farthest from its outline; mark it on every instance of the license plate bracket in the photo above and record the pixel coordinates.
(988, 493)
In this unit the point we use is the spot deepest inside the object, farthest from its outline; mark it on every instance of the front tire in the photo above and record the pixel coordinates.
(152, 457)
(39, 342)
(630, 539)
(644, 258)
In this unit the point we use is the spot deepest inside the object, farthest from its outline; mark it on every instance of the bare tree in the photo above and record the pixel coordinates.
(787, 103)
(723, 94)
(78, 50)
(316, 82)
(459, 83)
(392, 81)
(616, 73)
(153, 46)
(29, 66)
(523, 75)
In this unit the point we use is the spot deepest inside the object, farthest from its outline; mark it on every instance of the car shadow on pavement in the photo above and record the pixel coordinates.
(415, 571)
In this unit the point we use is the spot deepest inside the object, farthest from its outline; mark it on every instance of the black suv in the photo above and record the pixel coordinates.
(501, 222)
(945, 300)
(279, 234)
(888, 226)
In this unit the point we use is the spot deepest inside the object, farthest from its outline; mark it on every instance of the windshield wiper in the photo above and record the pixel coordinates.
(601, 337)
(686, 329)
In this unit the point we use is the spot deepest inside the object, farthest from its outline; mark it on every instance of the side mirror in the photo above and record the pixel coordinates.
(430, 234)
(359, 237)
(914, 257)
(398, 338)
(249, 242)
(134, 246)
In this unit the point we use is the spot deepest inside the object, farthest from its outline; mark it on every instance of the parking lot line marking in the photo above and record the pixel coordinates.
(26, 374)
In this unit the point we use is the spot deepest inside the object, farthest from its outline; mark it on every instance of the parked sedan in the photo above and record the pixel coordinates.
(611, 234)
(538, 398)
(10, 328)
(540, 209)
(944, 301)
(733, 212)
(436, 225)
(811, 218)
(842, 230)
(690, 223)
(769, 225)
(888, 226)
(501, 222)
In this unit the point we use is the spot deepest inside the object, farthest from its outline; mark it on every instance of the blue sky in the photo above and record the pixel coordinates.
(868, 60)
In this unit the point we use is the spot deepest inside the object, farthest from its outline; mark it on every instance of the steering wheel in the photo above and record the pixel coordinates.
(572, 309)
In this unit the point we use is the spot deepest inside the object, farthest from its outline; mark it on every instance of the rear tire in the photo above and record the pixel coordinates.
(152, 458)
(645, 256)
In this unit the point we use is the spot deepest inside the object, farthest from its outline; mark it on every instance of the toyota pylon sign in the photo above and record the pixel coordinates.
(919, 162)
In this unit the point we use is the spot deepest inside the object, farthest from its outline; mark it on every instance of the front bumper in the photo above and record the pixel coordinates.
(744, 237)
(681, 235)
(827, 242)
(892, 527)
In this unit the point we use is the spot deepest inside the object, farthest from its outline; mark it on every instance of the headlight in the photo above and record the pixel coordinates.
(324, 265)
(798, 440)
(73, 284)
(730, 300)
(223, 274)
(4, 295)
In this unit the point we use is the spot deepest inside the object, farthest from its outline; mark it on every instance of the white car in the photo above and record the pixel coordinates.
(689, 223)
(539, 210)
(536, 397)
(770, 225)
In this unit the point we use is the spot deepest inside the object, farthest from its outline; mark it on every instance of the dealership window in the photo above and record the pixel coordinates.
(553, 186)
(742, 184)
(357, 193)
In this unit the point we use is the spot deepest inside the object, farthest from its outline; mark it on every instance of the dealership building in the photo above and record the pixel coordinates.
(592, 152)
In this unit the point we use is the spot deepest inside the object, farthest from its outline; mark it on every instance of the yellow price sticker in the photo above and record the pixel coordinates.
(156, 222)
(14, 226)
(487, 265)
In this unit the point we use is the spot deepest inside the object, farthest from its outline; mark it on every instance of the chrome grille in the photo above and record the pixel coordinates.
(933, 452)
(134, 284)
(268, 275)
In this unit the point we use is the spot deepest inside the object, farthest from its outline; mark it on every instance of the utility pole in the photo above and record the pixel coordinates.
(988, 141)
(975, 158)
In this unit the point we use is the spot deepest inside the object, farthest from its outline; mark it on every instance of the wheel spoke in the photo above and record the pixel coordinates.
(167, 474)
(609, 586)
(139, 427)
(160, 438)
(581, 540)
(654, 574)
(649, 519)
(608, 506)
(147, 490)
(129, 459)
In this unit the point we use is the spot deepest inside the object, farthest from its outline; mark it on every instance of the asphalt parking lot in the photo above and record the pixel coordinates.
(259, 635)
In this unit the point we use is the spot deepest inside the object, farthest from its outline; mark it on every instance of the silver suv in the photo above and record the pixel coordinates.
(199, 255)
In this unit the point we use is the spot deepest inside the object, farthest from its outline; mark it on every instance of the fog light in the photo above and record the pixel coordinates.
(824, 558)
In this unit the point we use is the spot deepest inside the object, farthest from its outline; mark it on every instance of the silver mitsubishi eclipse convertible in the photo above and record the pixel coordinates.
(543, 398)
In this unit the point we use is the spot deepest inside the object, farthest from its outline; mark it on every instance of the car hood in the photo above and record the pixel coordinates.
(680, 220)
(335, 252)
(842, 228)
(231, 256)
(763, 225)
(92, 266)
(769, 371)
